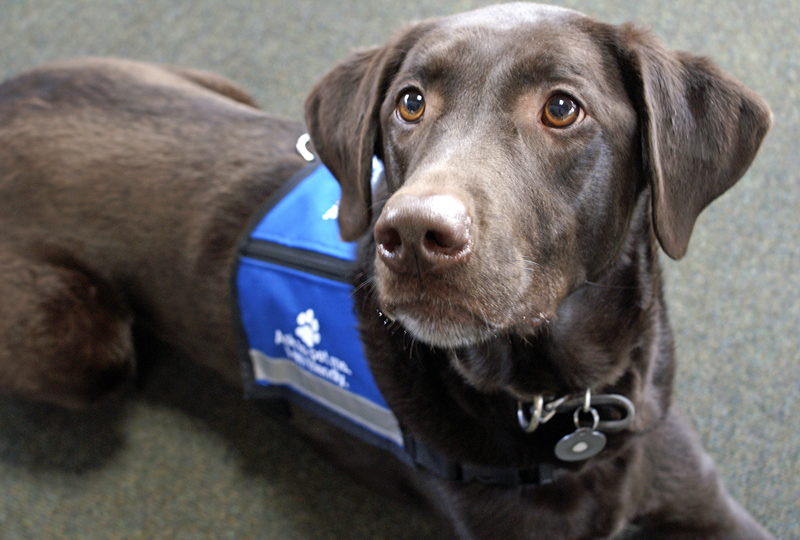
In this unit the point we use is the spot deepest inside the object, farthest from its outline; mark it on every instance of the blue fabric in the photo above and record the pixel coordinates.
(300, 328)
(307, 319)
(307, 218)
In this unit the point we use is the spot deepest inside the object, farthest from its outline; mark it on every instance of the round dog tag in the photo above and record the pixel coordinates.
(582, 444)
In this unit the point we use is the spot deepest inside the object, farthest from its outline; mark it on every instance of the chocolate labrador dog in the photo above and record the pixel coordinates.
(508, 289)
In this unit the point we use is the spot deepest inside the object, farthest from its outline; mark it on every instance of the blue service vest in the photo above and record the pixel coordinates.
(294, 301)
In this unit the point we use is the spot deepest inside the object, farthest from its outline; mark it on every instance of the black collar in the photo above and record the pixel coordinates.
(419, 455)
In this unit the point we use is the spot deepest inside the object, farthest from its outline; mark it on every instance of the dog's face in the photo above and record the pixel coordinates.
(531, 134)
(518, 142)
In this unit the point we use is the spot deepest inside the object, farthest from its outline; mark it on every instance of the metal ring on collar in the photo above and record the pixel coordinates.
(529, 425)
(576, 417)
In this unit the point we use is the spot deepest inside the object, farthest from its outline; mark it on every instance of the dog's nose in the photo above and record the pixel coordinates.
(429, 233)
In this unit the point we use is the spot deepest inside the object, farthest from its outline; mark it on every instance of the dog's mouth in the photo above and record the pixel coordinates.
(452, 325)
(456, 310)
(442, 326)
(478, 348)
(475, 320)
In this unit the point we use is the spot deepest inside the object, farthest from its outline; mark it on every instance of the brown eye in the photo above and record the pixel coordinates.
(560, 111)
(411, 106)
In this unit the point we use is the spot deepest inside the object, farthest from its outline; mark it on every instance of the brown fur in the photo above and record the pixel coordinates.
(509, 258)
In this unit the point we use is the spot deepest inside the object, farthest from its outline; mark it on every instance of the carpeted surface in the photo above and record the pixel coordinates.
(186, 458)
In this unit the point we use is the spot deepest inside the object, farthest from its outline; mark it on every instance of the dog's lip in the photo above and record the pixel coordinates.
(433, 311)
(438, 323)
(534, 321)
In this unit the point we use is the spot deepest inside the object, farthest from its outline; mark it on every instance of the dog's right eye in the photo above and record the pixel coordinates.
(411, 106)
(561, 111)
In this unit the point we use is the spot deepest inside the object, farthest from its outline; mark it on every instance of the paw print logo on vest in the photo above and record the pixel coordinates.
(308, 328)
(332, 213)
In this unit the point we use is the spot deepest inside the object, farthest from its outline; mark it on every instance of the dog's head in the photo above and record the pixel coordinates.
(517, 141)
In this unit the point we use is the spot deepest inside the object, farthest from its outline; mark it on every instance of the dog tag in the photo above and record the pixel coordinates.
(579, 445)
(584, 442)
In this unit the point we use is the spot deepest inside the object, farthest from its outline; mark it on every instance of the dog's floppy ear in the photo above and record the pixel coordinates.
(701, 130)
(342, 115)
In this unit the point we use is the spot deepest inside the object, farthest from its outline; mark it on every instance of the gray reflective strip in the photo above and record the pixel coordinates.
(356, 408)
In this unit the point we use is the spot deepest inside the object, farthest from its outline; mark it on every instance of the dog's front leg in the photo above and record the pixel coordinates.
(65, 337)
(562, 510)
(688, 500)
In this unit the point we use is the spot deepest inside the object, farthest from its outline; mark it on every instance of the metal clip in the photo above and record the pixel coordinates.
(539, 412)
(535, 411)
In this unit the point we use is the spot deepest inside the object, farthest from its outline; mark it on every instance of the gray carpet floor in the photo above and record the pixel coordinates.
(186, 458)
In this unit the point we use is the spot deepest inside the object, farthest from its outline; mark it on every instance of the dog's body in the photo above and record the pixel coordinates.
(535, 160)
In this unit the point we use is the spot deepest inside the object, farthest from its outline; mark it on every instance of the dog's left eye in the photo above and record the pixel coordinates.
(560, 111)
(411, 106)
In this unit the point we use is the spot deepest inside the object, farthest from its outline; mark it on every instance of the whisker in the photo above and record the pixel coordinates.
(367, 282)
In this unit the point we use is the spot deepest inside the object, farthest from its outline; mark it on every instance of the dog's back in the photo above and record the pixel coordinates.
(123, 188)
